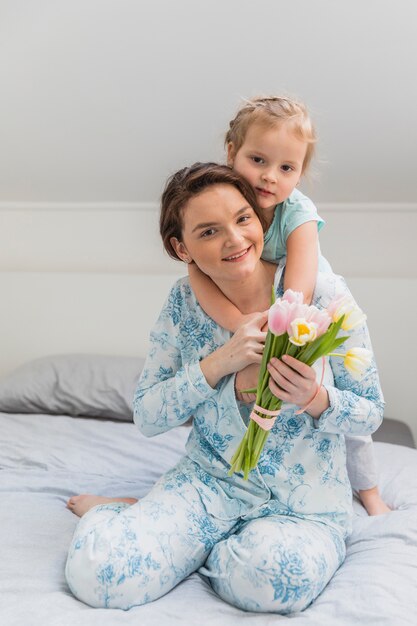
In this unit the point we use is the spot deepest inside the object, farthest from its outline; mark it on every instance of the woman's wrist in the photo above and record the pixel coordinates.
(319, 404)
(212, 369)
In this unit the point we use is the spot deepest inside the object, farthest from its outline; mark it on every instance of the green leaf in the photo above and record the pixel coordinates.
(338, 342)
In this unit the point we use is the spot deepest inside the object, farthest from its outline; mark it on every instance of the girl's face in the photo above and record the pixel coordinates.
(221, 234)
(271, 160)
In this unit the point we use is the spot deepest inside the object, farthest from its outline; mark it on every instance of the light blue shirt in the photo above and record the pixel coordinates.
(296, 210)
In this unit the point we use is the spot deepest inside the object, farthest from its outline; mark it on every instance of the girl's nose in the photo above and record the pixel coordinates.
(269, 175)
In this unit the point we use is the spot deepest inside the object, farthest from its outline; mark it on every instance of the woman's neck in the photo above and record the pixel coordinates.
(253, 293)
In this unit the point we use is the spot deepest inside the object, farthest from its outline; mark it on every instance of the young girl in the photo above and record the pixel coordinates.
(271, 143)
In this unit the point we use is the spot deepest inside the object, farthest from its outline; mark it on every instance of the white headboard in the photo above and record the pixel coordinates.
(93, 279)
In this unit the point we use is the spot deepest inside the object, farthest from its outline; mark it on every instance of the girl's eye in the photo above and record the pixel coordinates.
(208, 232)
(257, 159)
(286, 168)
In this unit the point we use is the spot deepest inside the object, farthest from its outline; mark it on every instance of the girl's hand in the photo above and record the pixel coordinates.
(292, 381)
(249, 317)
(244, 348)
(247, 344)
(247, 379)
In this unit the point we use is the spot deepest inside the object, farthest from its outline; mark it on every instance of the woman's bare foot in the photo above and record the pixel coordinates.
(81, 504)
(372, 501)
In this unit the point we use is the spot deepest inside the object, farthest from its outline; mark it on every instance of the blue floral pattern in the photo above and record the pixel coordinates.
(270, 543)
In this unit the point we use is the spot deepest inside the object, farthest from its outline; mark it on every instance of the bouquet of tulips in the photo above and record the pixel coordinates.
(307, 334)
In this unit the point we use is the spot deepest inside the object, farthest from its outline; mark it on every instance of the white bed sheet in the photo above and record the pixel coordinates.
(45, 459)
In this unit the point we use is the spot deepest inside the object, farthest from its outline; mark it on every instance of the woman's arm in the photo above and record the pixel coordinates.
(355, 407)
(355, 410)
(346, 407)
(169, 390)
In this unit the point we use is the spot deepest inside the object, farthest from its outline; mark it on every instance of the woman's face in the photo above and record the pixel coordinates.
(221, 234)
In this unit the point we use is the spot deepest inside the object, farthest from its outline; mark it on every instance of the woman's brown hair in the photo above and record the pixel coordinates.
(188, 183)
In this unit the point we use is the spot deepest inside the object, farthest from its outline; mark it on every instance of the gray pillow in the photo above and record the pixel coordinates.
(73, 384)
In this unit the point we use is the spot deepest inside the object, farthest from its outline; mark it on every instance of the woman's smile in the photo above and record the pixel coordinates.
(237, 256)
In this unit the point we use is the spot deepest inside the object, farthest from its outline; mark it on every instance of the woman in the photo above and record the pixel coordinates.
(273, 542)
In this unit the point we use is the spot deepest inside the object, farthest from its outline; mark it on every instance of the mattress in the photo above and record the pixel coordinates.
(45, 459)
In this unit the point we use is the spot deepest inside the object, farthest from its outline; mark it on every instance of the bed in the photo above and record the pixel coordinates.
(69, 441)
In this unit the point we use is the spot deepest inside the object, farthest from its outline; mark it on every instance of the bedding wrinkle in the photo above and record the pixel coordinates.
(374, 586)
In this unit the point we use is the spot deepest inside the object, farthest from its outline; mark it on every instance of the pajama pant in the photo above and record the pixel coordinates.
(123, 556)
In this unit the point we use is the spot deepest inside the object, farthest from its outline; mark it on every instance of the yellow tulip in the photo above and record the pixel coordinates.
(357, 361)
(302, 331)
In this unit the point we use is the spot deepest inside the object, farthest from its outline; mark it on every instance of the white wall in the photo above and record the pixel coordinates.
(102, 99)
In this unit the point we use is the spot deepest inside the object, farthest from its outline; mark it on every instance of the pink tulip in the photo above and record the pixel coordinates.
(321, 318)
(297, 311)
(291, 296)
(345, 305)
(278, 317)
(335, 304)
(284, 311)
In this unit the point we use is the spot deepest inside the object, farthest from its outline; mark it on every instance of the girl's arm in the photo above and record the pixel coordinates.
(302, 260)
(170, 390)
(213, 301)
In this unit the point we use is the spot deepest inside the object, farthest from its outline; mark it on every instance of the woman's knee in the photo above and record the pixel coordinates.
(264, 578)
(105, 567)
(111, 581)
(90, 571)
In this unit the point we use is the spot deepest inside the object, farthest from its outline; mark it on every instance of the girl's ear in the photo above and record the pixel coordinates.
(231, 154)
(180, 249)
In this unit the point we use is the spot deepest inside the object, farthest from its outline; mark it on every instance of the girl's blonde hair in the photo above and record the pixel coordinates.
(270, 111)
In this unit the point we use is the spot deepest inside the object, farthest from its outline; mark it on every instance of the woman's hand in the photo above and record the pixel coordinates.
(295, 383)
(243, 348)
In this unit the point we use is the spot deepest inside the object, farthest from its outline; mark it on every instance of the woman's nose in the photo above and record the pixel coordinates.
(234, 236)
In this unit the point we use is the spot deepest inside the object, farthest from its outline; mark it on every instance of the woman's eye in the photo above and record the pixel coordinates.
(243, 218)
